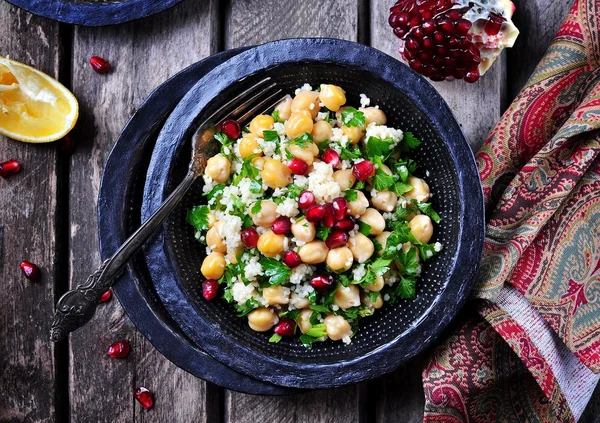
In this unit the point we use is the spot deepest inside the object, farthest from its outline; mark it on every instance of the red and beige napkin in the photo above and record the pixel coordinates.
(527, 347)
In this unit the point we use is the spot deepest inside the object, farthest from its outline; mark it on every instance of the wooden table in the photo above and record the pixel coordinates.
(48, 211)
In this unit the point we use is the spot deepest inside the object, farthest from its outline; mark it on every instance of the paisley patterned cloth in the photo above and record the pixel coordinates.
(528, 347)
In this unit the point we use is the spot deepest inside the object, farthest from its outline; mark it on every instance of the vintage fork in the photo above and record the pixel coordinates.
(77, 306)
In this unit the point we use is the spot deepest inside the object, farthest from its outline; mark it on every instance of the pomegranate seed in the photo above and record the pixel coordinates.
(363, 170)
(144, 397)
(298, 166)
(328, 217)
(9, 168)
(291, 259)
(106, 296)
(340, 207)
(65, 145)
(321, 282)
(30, 270)
(463, 26)
(315, 213)
(337, 238)
(472, 76)
(231, 128)
(330, 156)
(99, 64)
(210, 288)
(285, 327)
(119, 349)
(250, 237)
(346, 224)
(282, 225)
(306, 199)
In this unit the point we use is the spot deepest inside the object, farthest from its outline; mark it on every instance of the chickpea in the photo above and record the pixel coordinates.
(267, 214)
(299, 123)
(374, 219)
(344, 178)
(321, 131)
(382, 240)
(373, 115)
(378, 303)
(346, 296)
(306, 153)
(304, 230)
(361, 246)
(354, 133)
(385, 200)
(337, 327)
(377, 284)
(276, 295)
(249, 146)
(275, 174)
(214, 240)
(285, 108)
(213, 265)
(298, 301)
(218, 168)
(258, 162)
(421, 227)
(332, 96)
(420, 190)
(340, 259)
(307, 100)
(359, 206)
(262, 319)
(304, 320)
(271, 244)
(261, 123)
(313, 252)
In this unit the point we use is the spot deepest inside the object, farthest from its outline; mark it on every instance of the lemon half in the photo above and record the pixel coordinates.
(34, 107)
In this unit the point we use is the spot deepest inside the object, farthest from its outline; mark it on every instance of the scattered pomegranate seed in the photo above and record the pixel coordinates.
(328, 217)
(336, 239)
(65, 145)
(285, 327)
(321, 282)
(119, 349)
(291, 259)
(9, 168)
(306, 199)
(144, 397)
(315, 213)
(210, 288)
(231, 128)
(363, 170)
(99, 64)
(340, 207)
(346, 224)
(250, 237)
(472, 76)
(298, 166)
(30, 270)
(331, 157)
(106, 296)
(282, 225)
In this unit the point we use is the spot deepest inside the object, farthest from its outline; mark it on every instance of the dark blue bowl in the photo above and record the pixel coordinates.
(394, 333)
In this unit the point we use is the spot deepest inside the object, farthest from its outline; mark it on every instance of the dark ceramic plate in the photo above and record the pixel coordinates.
(394, 333)
(94, 12)
(119, 214)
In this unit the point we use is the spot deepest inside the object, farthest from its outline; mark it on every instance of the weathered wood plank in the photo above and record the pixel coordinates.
(28, 204)
(143, 55)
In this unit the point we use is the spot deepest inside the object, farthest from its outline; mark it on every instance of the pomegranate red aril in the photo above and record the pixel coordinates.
(472, 76)
(291, 259)
(231, 128)
(306, 199)
(330, 156)
(285, 327)
(321, 282)
(298, 166)
(66, 145)
(99, 64)
(282, 225)
(210, 288)
(250, 237)
(119, 349)
(106, 296)
(315, 213)
(363, 170)
(30, 270)
(336, 239)
(340, 206)
(144, 397)
(328, 218)
(346, 224)
(9, 168)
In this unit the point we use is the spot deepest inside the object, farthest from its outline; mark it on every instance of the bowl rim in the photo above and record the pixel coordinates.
(431, 323)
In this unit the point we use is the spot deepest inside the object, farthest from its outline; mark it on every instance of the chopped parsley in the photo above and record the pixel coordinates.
(409, 142)
(276, 117)
(275, 270)
(350, 153)
(427, 209)
(275, 338)
(270, 136)
(198, 217)
(247, 307)
(215, 192)
(302, 140)
(376, 147)
(353, 117)
(323, 232)
(351, 195)
(256, 208)
(364, 228)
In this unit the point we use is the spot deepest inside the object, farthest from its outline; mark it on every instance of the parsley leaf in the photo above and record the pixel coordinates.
(401, 188)
(350, 195)
(319, 308)
(247, 307)
(255, 187)
(256, 208)
(248, 170)
(382, 181)
(373, 296)
(294, 191)
(276, 117)
(275, 338)
(377, 147)
(410, 142)
(275, 270)
(408, 262)
(323, 232)
(302, 140)
(350, 153)
(380, 265)
(317, 331)
(323, 145)
(360, 185)
(290, 314)
(407, 288)
(427, 209)
(270, 136)
(364, 228)
(217, 189)
(198, 217)
(353, 117)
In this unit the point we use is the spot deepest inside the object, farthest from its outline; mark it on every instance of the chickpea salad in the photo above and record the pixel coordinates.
(313, 217)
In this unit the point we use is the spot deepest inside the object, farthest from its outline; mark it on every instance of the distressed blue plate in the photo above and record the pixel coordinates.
(118, 216)
(94, 12)
(395, 333)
